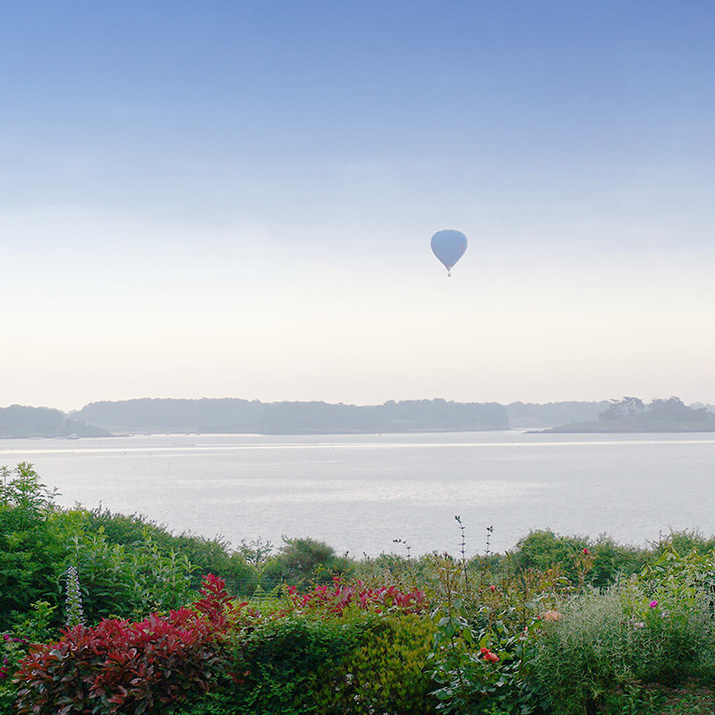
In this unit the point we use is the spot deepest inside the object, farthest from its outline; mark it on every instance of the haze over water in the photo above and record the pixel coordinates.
(360, 492)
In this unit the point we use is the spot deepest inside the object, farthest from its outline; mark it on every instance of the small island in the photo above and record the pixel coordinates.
(631, 414)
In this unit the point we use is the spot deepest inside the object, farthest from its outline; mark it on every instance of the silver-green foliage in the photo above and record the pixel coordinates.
(627, 634)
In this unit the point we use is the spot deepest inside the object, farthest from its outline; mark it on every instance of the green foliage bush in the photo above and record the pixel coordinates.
(127, 566)
(385, 671)
(285, 660)
(684, 542)
(35, 627)
(206, 555)
(34, 535)
(607, 561)
(302, 562)
(127, 582)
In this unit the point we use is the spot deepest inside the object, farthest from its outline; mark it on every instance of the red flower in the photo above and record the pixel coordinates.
(489, 656)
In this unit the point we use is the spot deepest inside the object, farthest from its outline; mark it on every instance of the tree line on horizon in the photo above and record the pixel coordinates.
(234, 415)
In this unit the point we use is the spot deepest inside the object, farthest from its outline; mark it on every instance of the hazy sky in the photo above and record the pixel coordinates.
(236, 198)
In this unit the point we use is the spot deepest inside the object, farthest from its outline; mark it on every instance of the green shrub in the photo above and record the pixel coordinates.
(542, 549)
(683, 542)
(302, 562)
(34, 535)
(611, 561)
(281, 664)
(206, 555)
(584, 561)
(385, 672)
(12, 650)
(37, 626)
(127, 582)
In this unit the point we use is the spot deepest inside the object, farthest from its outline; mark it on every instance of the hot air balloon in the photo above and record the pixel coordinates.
(449, 246)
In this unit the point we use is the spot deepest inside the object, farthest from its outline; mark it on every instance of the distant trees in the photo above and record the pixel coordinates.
(241, 416)
(672, 409)
(20, 421)
(623, 408)
(237, 416)
(551, 414)
(631, 414)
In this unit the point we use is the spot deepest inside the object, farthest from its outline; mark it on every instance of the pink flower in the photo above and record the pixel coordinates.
(489, 656)
(653, 604)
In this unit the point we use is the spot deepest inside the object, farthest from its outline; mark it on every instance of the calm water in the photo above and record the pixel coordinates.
(359, 493)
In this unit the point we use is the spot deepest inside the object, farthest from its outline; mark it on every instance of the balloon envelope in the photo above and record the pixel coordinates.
(449, 246)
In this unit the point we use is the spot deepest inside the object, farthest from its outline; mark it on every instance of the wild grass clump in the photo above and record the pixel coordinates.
(628, 636)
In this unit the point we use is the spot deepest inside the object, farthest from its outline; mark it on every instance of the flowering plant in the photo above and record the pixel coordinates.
(488, 655)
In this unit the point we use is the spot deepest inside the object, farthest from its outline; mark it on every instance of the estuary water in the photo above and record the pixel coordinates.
(361, 492)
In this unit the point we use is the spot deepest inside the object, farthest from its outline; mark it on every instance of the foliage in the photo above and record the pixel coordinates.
(128, 582)
(12, 650)
(206, 555)
(562, 623)
(626, 635)
(125, 667)
(345, 646)
(683, 542)
(611, 561)
(342, 648)
(341, 597)
(283, 661)
(39, 542)
(302, 562)
(583, 560)
(126, 567)
(385, 672)
(14, 646)
(33, 539)
(483, 630)
(542, 549)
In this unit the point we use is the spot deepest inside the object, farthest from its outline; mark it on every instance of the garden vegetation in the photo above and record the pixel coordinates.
(106, 613)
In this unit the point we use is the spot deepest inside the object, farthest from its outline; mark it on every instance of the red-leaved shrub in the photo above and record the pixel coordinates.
(334, 600)
(128, 667)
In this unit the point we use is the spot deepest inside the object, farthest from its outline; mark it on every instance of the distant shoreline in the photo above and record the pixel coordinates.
(656, 429)
(238, 416)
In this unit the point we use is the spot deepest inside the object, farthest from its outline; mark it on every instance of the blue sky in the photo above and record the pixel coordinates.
(236, 199)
